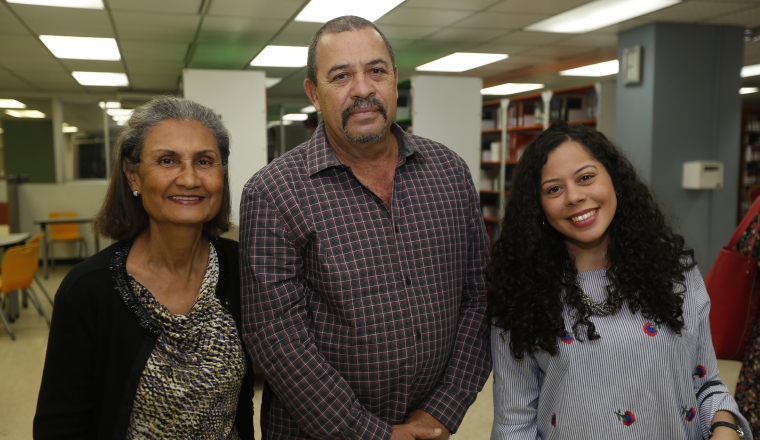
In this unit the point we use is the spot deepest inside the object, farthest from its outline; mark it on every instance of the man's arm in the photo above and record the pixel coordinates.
(470, 362)
(276, 330)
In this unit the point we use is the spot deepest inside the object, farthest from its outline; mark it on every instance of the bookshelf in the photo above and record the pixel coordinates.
(510, 125)
(749, 160)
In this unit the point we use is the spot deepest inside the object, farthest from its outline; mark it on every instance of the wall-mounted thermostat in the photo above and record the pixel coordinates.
(702, 174)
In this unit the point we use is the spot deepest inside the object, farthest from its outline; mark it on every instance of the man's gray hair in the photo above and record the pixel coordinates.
(336, 26)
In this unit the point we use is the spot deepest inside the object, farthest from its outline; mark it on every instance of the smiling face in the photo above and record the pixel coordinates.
(356, 87)
(578, 198)
(180, 177)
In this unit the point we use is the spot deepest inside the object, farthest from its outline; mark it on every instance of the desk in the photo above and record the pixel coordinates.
(44, 222)
(13, 239)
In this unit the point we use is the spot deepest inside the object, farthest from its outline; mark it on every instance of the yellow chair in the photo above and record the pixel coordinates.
(17, 271)
(37, 239)
(65, 233)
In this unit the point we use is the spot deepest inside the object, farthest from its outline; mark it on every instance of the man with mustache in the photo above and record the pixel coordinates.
(363, 255)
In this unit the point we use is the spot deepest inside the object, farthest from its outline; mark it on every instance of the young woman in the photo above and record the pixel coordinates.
(600, 314)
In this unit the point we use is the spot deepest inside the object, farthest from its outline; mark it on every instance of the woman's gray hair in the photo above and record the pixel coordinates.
(163, 108)
(122, 216)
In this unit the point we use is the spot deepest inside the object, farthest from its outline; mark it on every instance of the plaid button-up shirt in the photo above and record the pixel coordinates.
(360, 312)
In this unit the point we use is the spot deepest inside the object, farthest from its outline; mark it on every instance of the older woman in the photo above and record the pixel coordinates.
(144, 341)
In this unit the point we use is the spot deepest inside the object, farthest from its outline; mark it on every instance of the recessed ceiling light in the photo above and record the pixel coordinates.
(101, 79)
(598, 14)
(295, 117)
(119, 112)
(25, 114)
(599, 69)
(271, 82)
(281, 56)
(82, 48)
(11, 103)
(69, 128)
(271, 124)
(322, 11)
(752, 70)
(83, 4)
(510, 89)
(109, 104)
(461, 61)
(309, 109)
(747, 90)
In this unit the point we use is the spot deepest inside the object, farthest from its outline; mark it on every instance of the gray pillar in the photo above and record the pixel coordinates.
(687, 107)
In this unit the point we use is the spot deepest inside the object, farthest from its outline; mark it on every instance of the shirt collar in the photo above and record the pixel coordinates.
(322, 157)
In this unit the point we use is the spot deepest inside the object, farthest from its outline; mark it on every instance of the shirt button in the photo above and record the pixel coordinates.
(397, 229)
(408, 281)
(419, 334)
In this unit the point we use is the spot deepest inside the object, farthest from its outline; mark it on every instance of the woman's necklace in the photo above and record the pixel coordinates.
(603, 308)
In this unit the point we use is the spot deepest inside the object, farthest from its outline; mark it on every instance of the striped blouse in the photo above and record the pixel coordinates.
(640, 380)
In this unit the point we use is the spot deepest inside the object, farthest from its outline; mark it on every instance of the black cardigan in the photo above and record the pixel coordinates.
(100, 341)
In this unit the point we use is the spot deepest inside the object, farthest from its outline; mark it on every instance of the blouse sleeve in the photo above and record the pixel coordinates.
(712, 393)
(516, 387)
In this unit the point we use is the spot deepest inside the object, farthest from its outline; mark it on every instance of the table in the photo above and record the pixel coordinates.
(44, 222)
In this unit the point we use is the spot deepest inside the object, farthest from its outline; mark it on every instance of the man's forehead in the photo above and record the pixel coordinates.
(339, 37)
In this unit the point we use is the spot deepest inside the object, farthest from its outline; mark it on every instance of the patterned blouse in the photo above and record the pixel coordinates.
(744, 240)
(191, 383)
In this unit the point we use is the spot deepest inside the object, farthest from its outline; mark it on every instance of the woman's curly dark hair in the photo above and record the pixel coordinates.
(532, 275)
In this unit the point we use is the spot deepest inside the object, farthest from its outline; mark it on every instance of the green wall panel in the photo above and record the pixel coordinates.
(28, 145)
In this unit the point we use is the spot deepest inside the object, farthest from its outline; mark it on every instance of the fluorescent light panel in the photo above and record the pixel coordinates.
(295, 117)
(119, 112)
(747, 90)
(599, 69)
(101, 79)
(752, 70)
(82, 48)
(82, 4)
(510, 89)
(11, 103)
(309, 109)
(281, 56)
(109, 104)
(461, 61)
(25, 114)
(322, 11)
(598, 14)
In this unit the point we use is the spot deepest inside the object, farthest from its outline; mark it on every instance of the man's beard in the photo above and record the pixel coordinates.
(365, 138)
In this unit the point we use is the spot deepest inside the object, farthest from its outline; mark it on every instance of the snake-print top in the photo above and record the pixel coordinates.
(191, 383)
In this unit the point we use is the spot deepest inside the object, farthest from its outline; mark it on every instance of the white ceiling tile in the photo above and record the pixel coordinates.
(158, 27)
(509, 49)
(594, 39)
(687, 12)
(155, 67)
(235, 30)
(23, 45)
(53, 82)
(422, 17)
(65, 21)
(749, 18)
(225, 56)
(501, 20)
(9, 24)
(532, 38)
(398, 32)
(155, 82)
(10, 82)
(169, 6)
(470, 35)
(283, 9)
(24, 63)
(546, 7)
(469, 5)
(94, 66)
(149, 51)
(296, 34)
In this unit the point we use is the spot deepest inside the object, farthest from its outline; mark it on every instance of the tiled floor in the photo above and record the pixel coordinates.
(21, 369)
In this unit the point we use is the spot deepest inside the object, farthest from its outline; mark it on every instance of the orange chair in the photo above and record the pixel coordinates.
(65, 233)
(38, 240)
(17, 271)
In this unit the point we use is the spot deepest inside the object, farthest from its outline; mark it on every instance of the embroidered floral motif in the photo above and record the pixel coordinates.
(568, 337)
(688, 413)
(651, 329)
(626, 417)
(699, 372)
